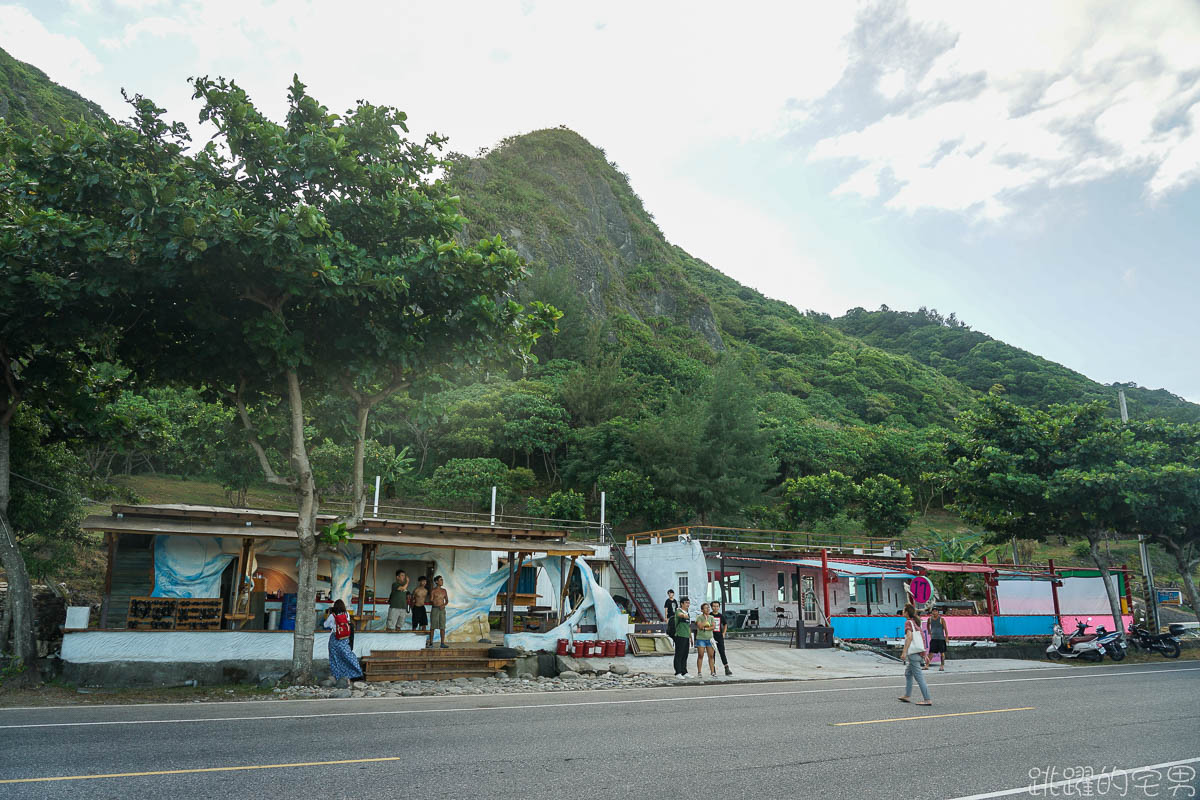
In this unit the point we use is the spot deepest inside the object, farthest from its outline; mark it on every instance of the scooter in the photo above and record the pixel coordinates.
(1164, 643)
(1114, 648)
(1079, 645)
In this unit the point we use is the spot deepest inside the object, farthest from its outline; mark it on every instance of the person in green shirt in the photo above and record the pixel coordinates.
(704, 641)
(681, 632)
(398, 602)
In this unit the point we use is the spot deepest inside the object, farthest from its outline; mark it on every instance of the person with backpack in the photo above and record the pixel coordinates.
(343, 664)
(681, 632)
(913, 655)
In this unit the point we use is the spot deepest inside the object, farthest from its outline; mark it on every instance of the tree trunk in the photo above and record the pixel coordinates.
(1186, 565)
(306, 533)
(361, 410)
(20, 592)
(1114, 602)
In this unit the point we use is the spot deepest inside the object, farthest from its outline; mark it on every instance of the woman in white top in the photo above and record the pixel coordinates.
(913, 656)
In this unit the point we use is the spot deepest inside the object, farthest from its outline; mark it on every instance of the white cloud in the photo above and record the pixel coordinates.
(64, 58)
(1026, 96)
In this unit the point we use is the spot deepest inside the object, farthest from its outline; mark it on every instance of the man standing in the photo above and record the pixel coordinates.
(681, 631)
(719, 634)
(438, 598)
(420, 597)
(670, 607)
(398, 601)
(937, 640)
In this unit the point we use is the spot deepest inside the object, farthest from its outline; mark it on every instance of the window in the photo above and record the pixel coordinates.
(782, 588)
(681, 585)
(810, 600)
(733, 587)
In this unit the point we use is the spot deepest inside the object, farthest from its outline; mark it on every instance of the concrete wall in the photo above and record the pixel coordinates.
(659, 565)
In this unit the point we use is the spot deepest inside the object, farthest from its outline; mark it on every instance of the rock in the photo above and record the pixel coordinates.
(501, 675)
(412, 693)
(266, 683)
(343, 683)
(328, 683)
(527, 676)
(618, 669)
(569, 675)
(374, 694)
(341, 693)
(359, 684)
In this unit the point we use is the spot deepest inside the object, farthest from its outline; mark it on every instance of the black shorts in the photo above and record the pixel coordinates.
(937, 646)
(420, 617)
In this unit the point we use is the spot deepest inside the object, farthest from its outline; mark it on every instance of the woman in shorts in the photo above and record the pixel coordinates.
(704, 640)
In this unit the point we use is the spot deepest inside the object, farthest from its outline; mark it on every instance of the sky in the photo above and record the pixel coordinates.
(1033, 167)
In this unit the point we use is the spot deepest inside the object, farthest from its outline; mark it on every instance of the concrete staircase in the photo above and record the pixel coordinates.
(432, 664)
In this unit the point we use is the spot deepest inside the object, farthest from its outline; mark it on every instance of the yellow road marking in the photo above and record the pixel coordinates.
(200, 769)
(935, 716)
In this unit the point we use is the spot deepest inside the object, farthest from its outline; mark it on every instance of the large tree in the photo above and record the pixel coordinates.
(81, 213)
(327, 262)
(1035, 473)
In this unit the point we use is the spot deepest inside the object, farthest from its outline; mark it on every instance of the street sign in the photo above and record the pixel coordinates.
(922, 590)
(1170, 597)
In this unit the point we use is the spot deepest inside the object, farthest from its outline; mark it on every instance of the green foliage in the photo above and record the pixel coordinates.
(333, 464)
(30, 100)
(567, 504)
(627, 494)
(814, 498)
(884, 506)
(47, 500)
(468, 482)
(981, 362)
(335, 533)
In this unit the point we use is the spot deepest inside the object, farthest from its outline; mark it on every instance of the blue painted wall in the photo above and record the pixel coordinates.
(868, 627)
(1039, 625)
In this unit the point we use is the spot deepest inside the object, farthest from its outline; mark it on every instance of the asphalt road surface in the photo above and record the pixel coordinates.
(987, 735)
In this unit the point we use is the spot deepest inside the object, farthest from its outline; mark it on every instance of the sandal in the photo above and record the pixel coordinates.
(924, 703)
(904, 700)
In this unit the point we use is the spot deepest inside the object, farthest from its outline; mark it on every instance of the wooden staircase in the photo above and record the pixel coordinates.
(646, 608)
(432, 664)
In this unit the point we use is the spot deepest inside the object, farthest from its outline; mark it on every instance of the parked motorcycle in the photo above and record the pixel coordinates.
(1164, 643)
(1114, 648)
(1080, 644)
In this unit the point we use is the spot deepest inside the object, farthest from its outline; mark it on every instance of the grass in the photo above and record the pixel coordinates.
(58, 693)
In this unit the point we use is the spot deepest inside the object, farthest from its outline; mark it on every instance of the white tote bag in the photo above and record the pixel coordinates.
(917, 645)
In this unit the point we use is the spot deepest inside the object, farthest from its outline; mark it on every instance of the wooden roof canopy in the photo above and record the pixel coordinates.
(250, 523)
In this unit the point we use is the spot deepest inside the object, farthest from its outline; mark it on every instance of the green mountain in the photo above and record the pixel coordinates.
(29, 99)
(980, 362)
(596, 252)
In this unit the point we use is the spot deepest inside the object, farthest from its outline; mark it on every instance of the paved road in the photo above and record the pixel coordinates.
(718, 741)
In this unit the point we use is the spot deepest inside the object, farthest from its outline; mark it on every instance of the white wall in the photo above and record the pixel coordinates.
(658, 565)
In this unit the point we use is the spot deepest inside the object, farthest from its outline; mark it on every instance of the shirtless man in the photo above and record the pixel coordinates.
(420, 598)
(438, 598)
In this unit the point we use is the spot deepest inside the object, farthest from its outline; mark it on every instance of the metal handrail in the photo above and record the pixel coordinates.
(438, 515)
(772, 538)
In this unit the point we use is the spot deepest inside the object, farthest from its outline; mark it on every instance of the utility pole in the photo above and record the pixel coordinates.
(1143, 550)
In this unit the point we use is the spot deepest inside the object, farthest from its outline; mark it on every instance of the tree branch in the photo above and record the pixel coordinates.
(260, 451)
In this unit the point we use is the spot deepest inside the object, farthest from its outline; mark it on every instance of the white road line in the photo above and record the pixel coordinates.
(1042, 789)
(671, 699)
(1150, 668)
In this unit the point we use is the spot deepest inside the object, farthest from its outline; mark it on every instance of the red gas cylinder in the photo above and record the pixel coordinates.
(562, 647)
(610, 649)
(579, 647)
(589, 649)
(620, 648)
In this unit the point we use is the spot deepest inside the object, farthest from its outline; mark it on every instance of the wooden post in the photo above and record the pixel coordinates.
(1054, 592)
(508, 597)
(111, 540)
(562, 581)
(723, 595)
(987, 586)
(825, 583)
(799, 605)
(566, 584)
(362, 577)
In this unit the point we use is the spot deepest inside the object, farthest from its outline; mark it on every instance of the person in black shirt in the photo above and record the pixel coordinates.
(719, 635)
(669, 609)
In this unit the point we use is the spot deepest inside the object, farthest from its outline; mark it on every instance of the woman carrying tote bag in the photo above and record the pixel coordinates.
(913, 656)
